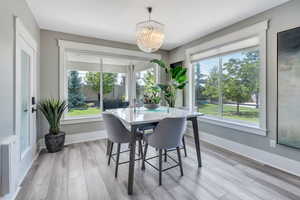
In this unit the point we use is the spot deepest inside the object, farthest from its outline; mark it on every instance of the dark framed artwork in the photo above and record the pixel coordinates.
(288, 88)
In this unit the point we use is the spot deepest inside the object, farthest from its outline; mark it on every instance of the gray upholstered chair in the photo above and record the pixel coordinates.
(152, 127)
(167, 135)
(117, 133)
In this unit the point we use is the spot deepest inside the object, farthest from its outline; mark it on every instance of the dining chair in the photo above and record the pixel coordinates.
(118, 133)
(150, 128)
(166, 136)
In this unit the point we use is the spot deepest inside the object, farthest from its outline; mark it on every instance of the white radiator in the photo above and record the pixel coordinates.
(7, 166)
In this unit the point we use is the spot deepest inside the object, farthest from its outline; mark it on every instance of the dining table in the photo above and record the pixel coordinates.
(139, 118)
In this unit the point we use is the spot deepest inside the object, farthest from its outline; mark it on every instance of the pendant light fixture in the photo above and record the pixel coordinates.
(149, 34)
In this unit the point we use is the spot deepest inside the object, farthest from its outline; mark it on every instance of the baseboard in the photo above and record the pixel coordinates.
(273, 160)
(79, 137)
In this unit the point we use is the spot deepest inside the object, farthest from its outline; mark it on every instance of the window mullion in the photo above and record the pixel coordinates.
(220, 107)
(127, 82)
(101, 84)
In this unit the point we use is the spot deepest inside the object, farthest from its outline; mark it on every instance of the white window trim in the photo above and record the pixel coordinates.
(233, 125)
(257, 30)
(65, 45)
(79, 120)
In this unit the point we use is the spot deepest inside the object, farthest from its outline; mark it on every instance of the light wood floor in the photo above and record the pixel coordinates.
(80, 172)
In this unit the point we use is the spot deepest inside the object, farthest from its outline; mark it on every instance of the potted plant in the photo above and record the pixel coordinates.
(152, 98)
(176, 80)
(53, 110)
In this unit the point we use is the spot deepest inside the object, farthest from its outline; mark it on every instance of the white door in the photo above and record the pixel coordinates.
(25, 116)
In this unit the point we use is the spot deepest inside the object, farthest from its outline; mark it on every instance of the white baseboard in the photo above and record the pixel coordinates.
(273, 160)
(79, 137)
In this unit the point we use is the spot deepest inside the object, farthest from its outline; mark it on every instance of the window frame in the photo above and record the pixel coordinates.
(102, 51)
(218, 47)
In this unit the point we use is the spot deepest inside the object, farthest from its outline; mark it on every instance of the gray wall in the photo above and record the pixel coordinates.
(50, 72)
(281, 18)
(9, 9)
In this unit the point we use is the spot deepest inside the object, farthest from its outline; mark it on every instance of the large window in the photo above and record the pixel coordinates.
(227, 86)
(228, 76)
(95, 84)
(96, 78)
(84, 92)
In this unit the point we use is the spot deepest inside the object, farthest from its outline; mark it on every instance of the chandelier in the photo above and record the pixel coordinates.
(149, 34)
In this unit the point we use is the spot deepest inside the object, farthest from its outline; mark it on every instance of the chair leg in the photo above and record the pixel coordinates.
(184, 147)
(160, 165)
(110, 152)
(140, 149)
(179, 160)
(166, 155)
(117, 160)
(143, 134)
(144, 156)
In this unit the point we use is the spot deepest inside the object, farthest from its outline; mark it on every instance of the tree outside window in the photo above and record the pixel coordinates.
(230, 91)
(75, 97)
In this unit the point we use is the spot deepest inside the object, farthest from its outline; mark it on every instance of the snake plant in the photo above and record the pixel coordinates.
(53, 110)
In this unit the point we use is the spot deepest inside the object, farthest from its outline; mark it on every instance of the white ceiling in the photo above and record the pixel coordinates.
(185, 20)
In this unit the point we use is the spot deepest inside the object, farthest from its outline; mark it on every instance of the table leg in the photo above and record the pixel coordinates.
(131, 159)
(196, 138)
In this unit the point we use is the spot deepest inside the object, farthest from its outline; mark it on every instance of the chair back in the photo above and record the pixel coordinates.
(116, 131)
(168, 133)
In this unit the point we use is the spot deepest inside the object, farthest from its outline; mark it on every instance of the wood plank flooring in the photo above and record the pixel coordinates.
(80, 172)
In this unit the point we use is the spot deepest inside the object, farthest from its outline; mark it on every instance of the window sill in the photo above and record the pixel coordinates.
(81, 120)
(234, 125)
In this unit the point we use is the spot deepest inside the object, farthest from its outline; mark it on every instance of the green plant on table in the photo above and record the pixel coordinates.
(152, 95)
(53, 110)
(176, 80)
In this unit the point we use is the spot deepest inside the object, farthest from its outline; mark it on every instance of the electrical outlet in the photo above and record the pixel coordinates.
(273, 143)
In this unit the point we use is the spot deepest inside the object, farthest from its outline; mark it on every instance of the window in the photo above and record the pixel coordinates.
(95, 84)
(144, 78)
(95, 78)
(228, 76)
(227, 86)
(83, 93)
(114, 90)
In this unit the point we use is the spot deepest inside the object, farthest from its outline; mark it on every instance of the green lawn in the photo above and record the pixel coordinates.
(229, 112)
(89, 111)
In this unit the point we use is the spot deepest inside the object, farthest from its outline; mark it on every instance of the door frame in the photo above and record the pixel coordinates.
(22, 33)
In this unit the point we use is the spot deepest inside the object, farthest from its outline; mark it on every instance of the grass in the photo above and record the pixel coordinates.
(229, 111)
(89, 111)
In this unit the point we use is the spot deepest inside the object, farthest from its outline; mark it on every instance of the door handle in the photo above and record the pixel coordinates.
(33, 110)
(25, 110)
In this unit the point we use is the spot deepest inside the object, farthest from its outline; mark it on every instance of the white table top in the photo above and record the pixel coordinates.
(143, 116)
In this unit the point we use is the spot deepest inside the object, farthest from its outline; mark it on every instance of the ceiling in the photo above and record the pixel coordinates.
(185, 20)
